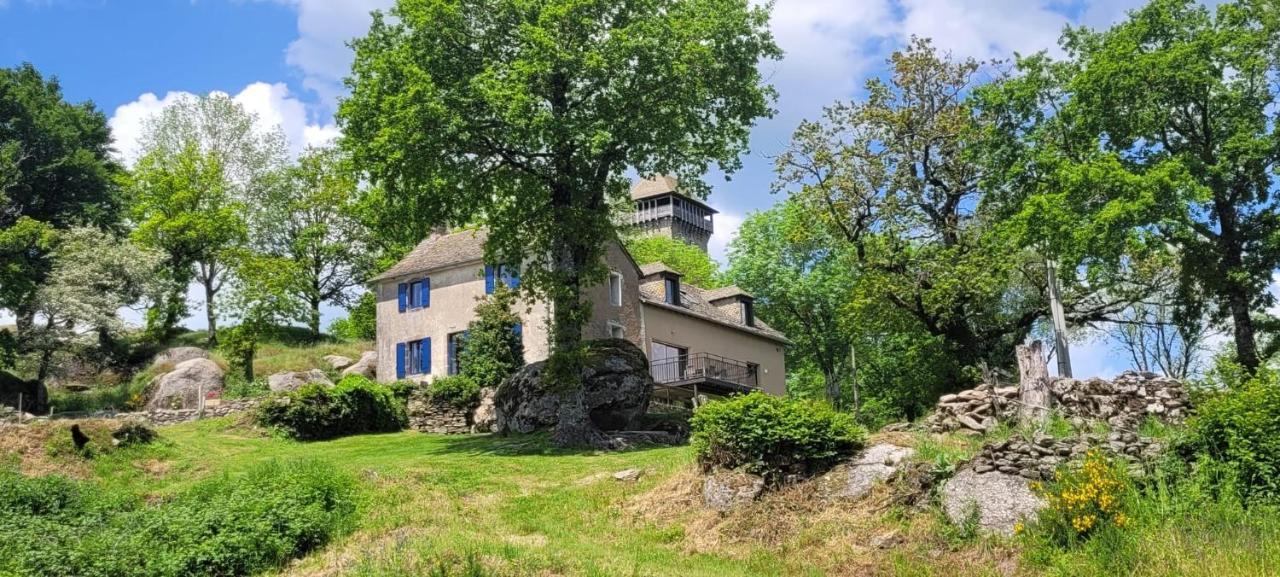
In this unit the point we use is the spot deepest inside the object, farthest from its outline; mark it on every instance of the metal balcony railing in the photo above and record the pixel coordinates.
(705, 366)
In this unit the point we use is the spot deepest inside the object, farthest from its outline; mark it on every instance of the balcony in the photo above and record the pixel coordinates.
(683, 212)
(705, 372)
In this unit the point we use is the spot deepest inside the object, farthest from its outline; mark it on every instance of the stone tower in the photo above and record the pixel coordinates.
(661, 210)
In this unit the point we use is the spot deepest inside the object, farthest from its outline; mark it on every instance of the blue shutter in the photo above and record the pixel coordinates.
(453, 353)
(518, 329)
(400, 360)
(424, 293)
(424, 363)
(488, 279)
(404, 296)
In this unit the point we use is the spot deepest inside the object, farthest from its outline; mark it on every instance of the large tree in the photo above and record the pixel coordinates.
(237, 163)
(1159, 132)
(56, 172)
(181, 207)
(898, 180)
(802, 287)
(311, 218)
(528, 114)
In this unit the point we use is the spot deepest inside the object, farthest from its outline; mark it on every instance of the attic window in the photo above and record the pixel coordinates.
(748, 313)
(672, 284)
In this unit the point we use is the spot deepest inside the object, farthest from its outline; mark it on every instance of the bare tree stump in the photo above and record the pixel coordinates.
(1033, 384)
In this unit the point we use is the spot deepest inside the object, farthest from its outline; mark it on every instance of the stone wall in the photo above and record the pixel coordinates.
(165, 416)
(1038, 457)
(1122, 403)
(428, 416)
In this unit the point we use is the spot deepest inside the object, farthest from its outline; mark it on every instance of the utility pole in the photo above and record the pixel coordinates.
(1059, 320)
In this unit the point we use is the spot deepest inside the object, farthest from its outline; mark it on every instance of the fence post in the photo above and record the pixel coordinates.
(19, 408)
(1033, 384)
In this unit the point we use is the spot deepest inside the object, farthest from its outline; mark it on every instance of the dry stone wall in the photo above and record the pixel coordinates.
(1122, 403)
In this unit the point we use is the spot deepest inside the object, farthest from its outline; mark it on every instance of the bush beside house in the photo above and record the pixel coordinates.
(315, 412)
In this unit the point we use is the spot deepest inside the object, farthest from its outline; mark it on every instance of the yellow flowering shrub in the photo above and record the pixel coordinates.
(1083, 500)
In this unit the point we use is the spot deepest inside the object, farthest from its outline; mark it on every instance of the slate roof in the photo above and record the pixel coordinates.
(653, 268)
(694, 302)
(440, 251)
(714, 295)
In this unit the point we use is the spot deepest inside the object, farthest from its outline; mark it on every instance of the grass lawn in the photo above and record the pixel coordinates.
(484, 506)
(433, 501)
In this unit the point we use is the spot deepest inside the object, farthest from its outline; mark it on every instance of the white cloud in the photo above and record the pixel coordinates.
(320, 51)
(727, 224)
(273, 105)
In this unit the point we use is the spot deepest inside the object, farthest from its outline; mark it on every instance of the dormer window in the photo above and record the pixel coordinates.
(748, 313)
(672, 284)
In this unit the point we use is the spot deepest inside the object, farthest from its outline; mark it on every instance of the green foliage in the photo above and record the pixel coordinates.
(493, 350)
(1237, 433)
(361, 322)
(460, 391)
(694, 265)
(56, 171)
(1153, 135)
(316, 412)
(772, 436)
(325, 240)
(52, 526)
(235, 386)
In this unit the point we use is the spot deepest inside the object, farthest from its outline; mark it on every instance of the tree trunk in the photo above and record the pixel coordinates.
(210, 311)
(1242, 328)
(46, 354)
(314, 320)
(573, 425)
(1033, 384)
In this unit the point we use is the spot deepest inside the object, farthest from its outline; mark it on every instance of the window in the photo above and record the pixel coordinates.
(748, 313)
(616, 331)
(506, 274)
(668, 363)
(753, 374)
(673, 290)
(413, 358)
(419, 294)
(615, 288)
(457, 341)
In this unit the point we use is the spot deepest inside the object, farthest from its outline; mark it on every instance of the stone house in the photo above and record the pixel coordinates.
(698, 341)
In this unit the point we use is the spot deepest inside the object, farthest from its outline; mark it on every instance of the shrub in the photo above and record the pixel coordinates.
(458, 391)
(314, 412)
(133, 433)
(225, 526)
(773, 436)
(494, 350)
(1238, 433)
(237, 387)
(1083, 500)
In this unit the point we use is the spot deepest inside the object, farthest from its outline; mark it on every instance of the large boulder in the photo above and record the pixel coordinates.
(176, 355)
(32, 394)
(290, 381)
(1000, 500)
(616, 384)
(485, 416)
(181, 387)
(854, 479)
(723, 490)
(338, 362)
(366, 367)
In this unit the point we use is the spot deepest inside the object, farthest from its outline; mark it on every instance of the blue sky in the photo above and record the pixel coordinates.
(284, 60)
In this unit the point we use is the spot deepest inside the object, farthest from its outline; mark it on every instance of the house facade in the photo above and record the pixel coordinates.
(698, 341)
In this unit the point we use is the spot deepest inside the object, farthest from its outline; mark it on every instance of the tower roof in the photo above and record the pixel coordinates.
(661, 186)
